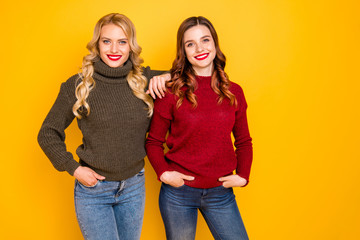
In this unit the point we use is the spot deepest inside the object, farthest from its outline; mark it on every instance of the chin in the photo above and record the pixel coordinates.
(113, 64)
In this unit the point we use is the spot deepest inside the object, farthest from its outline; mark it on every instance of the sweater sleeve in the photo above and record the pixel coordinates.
(51, 137)
(160, 124)
(148, 73)
(243, 141)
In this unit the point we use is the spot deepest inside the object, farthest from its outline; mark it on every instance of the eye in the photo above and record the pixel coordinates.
(106, 41)
(122, 42)
(189, 45)
(206, 40)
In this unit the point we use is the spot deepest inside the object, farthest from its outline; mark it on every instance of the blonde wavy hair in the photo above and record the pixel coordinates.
(135, 79)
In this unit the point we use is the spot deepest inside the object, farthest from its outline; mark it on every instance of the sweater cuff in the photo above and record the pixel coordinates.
(159, 172)
(245, 177)
(72, 166)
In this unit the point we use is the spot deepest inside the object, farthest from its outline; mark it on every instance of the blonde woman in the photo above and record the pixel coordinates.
(113, 113)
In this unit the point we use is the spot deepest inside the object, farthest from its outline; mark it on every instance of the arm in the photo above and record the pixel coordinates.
(52, 133)
(155, 142)
(243, 141)
(160, 125)
(243, 145)
(51, 139)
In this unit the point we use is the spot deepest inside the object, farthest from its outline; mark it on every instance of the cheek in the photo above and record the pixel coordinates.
(212, 49)
(211, 46)
(125, 50)
(102, 49)
(188, 54)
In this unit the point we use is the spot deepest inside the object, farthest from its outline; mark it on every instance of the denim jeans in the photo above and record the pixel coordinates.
(111, 210)
(179, 209)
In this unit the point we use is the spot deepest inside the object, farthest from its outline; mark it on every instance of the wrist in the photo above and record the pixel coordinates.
(163, 176)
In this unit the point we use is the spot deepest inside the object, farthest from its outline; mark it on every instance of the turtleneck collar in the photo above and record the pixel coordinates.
(108, 74)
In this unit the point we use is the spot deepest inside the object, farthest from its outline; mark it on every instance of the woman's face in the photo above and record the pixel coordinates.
(113, 45)
(200, 49)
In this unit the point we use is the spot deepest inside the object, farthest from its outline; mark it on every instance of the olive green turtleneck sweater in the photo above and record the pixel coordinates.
(113, 133)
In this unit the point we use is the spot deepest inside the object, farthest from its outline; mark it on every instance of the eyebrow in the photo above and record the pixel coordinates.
(206, 36)
(117, 39)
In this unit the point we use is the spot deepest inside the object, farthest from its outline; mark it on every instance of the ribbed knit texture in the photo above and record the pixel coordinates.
(199, 139)
(113, 133)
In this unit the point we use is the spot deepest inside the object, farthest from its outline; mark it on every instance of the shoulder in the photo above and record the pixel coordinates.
(146, 71)
(236, 89)
(150, 73)
(165, 106)
(71, 82)
(166, 102)
(68, 87)
(169, 98)
(239, 94)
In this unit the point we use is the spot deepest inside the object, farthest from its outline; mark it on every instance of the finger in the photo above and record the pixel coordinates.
(152, 92)
(93, 183)
(156, 90)
(222, 179)
(187, 177)
(162, 93)
(226, 185)
(163, 85)
(89, 181)
(150, 89)
(147, 92)
(98, 176)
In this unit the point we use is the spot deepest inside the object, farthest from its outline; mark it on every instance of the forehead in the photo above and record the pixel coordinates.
(196, 32)
(112, 31)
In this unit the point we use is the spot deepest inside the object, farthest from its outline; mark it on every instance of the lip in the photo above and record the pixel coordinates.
(113, 57)
(201, 56)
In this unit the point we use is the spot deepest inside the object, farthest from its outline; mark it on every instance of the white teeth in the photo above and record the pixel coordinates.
(117, 57)
(202, 55)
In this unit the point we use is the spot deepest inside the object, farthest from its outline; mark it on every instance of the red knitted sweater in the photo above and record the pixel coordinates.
(199, 139)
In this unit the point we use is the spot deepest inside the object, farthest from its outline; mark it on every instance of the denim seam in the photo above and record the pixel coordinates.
(79, 220)
(212, 225)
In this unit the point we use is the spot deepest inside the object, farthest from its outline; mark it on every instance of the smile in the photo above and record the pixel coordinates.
(202, 56)
(114, 57)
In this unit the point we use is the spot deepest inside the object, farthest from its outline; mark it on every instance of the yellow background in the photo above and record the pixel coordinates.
(297, 60)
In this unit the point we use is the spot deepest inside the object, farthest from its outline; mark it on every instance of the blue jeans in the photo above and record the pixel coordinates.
(179, 209)
(111, 210)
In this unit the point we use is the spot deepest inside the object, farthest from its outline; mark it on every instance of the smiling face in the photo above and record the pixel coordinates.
(114, 46)
(200, 49)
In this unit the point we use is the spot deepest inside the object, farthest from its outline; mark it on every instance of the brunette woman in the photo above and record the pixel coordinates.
(113, 113)
(201, 110)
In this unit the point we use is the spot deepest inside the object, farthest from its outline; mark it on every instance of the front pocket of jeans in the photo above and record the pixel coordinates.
(82, 185)
(141, 173)
(182, 186)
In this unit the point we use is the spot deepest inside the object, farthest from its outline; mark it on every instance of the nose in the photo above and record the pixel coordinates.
(113, 48)
(199, 47)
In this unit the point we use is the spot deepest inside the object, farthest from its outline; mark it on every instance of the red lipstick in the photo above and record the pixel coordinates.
(202, 56)
(114, 57)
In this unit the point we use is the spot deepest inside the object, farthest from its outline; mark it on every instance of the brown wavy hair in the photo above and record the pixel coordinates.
(183, 82)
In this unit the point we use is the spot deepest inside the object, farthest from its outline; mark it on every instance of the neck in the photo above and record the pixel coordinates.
(206, 72)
